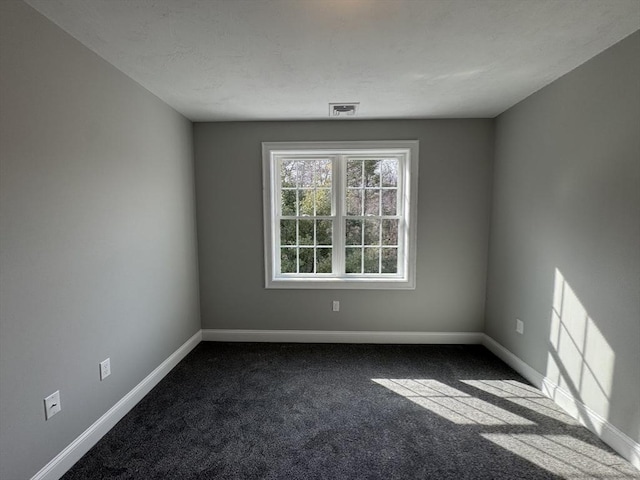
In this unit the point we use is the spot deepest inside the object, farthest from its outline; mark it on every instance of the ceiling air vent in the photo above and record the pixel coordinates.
(343, 109)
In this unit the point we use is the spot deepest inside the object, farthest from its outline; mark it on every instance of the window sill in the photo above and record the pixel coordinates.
(341, 284)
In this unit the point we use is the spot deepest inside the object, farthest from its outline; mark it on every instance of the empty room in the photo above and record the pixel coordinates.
(319, 239)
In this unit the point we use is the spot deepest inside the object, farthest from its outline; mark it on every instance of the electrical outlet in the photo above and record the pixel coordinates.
(52, 405)
(336, 306)
(519, 326)
(105, 368)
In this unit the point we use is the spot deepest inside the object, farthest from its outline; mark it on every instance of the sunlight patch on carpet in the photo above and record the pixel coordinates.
(564, 455)
(450, 403)
(523, 395)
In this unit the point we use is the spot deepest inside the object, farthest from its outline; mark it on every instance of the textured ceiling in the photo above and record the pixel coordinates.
(287, 59)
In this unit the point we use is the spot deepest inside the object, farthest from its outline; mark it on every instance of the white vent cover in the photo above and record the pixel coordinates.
(343, 109)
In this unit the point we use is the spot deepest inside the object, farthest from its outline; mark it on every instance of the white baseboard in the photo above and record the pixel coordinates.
(321, 336)
(619, 441)
(81, 445)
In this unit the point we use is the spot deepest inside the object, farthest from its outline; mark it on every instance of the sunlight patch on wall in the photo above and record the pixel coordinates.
(450, 403)
(523, 395)
(564, 455)
(580, 359)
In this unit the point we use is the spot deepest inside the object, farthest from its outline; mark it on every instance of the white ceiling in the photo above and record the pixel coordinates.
(287, 59)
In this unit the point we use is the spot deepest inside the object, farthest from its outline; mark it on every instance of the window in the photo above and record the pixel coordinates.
(340, 214)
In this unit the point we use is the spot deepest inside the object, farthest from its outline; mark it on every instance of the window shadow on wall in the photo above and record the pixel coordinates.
(580, 360)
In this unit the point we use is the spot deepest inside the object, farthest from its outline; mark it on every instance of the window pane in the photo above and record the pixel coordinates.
(305, 173)
(288, 173)
(323, 173)
(354, 173)
(372, 173)
(372, 232)
(287, 232)
(305, 197)
(306, 260)
(305, 232)
(323, 201)
(390, 232)
(389, 260)
(389, 172)
(288, 205)
(323, 232)
(389, 198)
(353, 232)
(323, 260)
(288, 260)
(371, 260)
(354, 202)
(372, 202)
(353, 260)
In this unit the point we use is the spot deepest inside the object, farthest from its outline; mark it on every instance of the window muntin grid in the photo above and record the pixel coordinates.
(305, 215)
(373, 215)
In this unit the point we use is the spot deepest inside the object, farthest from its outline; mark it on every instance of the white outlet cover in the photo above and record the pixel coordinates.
(52, 405)
(519, 326)
(105, 368)
(336, 306)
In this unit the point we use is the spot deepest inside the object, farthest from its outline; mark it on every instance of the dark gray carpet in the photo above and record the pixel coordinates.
(297, 411)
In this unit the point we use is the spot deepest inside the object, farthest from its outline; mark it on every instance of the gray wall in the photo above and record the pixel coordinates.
(98, 237)
(565, 233)
(453, 208)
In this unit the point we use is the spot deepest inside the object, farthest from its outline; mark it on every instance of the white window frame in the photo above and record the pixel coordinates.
(407, 151)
